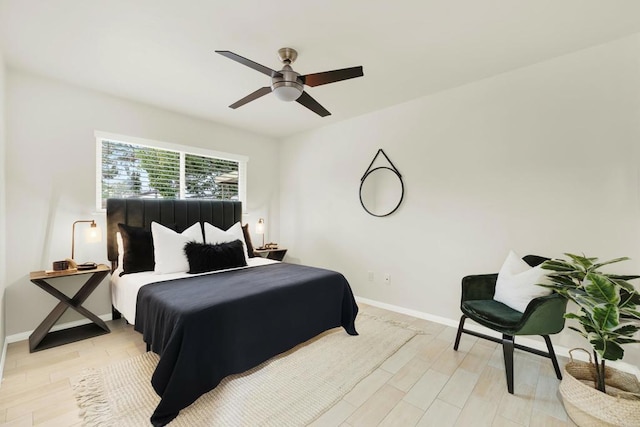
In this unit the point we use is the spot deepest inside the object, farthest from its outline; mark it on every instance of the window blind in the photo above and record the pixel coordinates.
(132, 170)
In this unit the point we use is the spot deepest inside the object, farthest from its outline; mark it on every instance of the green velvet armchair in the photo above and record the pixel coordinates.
(543, 316)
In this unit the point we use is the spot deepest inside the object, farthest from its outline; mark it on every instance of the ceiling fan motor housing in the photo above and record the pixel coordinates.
(287, 85)
(287, 55)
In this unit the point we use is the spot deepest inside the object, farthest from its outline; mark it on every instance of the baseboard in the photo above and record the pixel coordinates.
(539, 345)
(3, 359)
(20, 336)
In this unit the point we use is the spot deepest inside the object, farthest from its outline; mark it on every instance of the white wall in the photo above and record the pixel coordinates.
(540, 160)
(3, 210)
(51, 178)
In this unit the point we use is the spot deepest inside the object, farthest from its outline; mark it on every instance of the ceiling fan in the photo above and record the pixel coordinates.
(287, 85)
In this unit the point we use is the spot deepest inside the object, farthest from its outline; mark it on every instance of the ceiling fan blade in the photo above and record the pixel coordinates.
(249, 63)
(313, 105)
(252, 96)
(318, 79)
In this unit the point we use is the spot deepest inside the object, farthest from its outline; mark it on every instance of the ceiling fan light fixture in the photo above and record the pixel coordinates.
(287, 93)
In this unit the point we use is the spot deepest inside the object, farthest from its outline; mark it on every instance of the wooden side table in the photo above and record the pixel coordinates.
(41, 338)
(276, 254)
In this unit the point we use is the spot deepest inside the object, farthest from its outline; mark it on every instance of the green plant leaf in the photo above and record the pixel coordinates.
(572, 316)
(582, 261)
(626, 330)
(558, 265)
(579, 331)
(613, 261)
(606, 316)
(586, 303)
(630, 297)
(630, 313)
(589, 328)
(577, 292)
(551, 286)
(627, 341)
(623, 284)
(623, 277)
(607, 349)
(562, 279)
(601, 288)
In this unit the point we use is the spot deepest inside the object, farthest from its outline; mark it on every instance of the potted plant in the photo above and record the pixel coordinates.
(607, 318)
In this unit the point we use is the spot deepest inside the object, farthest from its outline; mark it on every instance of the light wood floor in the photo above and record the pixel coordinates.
(426, 383)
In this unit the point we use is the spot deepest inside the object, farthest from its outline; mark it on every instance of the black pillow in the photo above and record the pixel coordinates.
(204, 257)
(247, 241)
(138, 249)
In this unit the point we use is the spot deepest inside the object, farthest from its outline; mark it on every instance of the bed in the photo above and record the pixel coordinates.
(207, 326)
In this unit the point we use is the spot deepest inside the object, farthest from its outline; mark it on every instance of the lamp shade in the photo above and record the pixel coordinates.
(93, 234)
(260, 230)
(260, 226)
(287, 93)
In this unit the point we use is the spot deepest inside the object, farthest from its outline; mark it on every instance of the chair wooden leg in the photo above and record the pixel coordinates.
(459, 334)
(552, 356)
(507, 351)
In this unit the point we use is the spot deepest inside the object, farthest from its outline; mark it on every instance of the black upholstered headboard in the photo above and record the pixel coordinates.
(180, 214)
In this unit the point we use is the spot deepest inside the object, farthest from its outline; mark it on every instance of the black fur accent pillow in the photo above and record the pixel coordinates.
(204, 257)
(138, 249)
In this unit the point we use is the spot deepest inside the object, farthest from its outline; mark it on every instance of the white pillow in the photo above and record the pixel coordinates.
(214, 235)
(517, 283)
(168, 247)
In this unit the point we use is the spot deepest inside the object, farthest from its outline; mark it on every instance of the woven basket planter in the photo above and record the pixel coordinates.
(587, 407)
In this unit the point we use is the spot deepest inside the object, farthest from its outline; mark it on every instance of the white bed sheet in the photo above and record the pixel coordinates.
(124, 290)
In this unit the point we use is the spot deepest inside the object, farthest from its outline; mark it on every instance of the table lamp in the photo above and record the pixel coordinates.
(92, 234)
(260, 230)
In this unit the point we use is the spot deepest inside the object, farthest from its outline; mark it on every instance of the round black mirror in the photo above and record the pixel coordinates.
(381, 191)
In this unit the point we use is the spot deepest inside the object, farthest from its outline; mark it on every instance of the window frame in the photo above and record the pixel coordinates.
(182, 149)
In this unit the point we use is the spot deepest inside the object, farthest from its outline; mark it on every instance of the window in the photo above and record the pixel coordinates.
(137, 168)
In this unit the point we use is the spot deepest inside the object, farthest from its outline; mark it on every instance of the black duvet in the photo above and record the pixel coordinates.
(208, 327)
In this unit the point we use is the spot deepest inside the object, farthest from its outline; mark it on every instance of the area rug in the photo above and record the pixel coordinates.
(291, 389)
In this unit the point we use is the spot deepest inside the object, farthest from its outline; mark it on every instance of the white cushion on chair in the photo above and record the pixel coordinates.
(518, 282)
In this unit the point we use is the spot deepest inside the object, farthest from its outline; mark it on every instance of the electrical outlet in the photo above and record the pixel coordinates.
(387, 279)
(370, 275)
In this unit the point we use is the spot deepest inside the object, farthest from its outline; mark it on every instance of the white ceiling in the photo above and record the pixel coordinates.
(161, 52)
